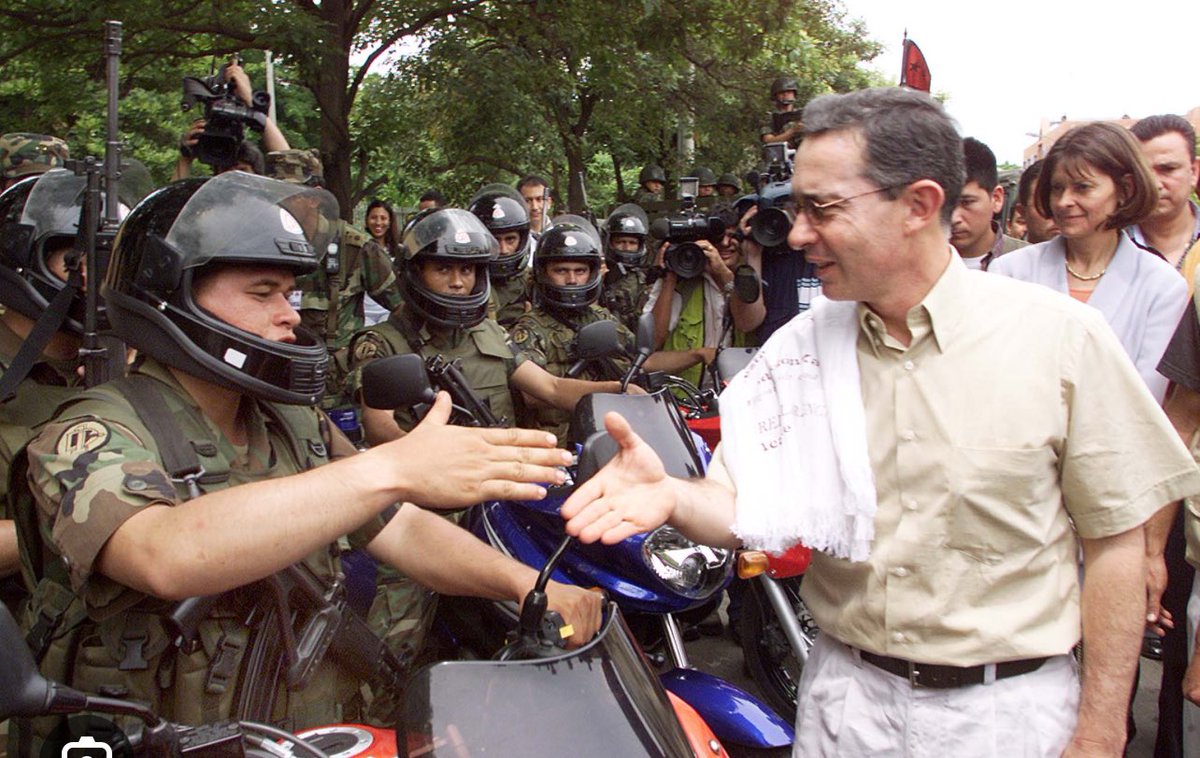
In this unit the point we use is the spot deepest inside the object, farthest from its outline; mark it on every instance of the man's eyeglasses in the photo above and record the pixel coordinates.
(818, 213)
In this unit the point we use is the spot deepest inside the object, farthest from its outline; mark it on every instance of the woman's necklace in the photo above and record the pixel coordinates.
(1083, 278)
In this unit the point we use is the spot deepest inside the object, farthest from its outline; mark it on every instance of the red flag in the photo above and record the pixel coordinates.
(914, 71)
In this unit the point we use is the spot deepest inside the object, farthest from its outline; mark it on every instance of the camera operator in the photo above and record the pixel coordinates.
(694, 316)
(249, 158)
(788, 284)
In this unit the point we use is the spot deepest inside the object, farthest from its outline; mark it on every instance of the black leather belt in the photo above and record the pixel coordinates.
(938, 676)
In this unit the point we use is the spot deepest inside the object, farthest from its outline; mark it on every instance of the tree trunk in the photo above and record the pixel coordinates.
(330, 86)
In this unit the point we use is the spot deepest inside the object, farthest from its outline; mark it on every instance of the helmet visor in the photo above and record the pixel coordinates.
(451, 233)
(238, 216)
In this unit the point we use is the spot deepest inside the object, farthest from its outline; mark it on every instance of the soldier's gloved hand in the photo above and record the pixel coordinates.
(581, 610)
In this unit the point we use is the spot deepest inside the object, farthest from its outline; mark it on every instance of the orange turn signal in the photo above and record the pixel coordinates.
(751, 563)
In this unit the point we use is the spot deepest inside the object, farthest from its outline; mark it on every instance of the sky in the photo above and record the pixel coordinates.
(1006, 66)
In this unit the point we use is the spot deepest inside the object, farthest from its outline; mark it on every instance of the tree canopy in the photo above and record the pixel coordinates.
(403, 96)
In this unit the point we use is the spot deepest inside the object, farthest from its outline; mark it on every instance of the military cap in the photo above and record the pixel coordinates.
(296, 166)
(705, 175)
(652, 172)
(24, 154)
(730, 179)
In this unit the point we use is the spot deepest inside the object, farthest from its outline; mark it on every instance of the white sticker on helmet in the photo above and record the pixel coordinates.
(628, 223)
(462, 238)
(289, 222)
(497, 212)
(235, 358)
(569, 241)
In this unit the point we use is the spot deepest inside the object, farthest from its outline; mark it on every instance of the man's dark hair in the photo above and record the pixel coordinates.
(980, 164)
(248, 153)
(530, 179)
(908, 137)
(433, 195)
(1156, 126)
(1029, 178)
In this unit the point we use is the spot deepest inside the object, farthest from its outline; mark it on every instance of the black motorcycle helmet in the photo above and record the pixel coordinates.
(454, 235)
(39, 215)
(190, 227)
(500, 212)
(631, 220)
(570, 238)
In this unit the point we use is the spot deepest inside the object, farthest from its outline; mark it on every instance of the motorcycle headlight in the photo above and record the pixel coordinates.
(694, 571)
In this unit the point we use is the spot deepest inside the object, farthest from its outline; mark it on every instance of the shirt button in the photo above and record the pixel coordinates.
(908, 435)
(897, 636)
(909, 365)
(900, 571)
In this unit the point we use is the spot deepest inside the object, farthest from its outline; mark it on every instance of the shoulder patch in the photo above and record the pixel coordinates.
(365, 349)
(519, 334)
(81, 437)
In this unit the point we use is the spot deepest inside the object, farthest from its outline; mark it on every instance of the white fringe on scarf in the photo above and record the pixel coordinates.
(793, 436)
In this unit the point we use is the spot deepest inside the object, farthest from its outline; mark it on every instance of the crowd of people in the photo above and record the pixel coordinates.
(990, 474)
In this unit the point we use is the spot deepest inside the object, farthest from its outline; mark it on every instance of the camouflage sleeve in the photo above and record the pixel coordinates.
(88, 476)
(526, 344)
(379, 277)
(365, 347)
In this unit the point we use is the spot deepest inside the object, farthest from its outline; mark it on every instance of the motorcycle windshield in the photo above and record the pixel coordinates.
(601, 700)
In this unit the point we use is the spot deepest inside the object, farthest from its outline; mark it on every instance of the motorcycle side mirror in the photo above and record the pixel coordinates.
(24, 692)
(645, 346)
(598, 449)
(398, 381)
(731, 360)
(645, 334)
(596, 340)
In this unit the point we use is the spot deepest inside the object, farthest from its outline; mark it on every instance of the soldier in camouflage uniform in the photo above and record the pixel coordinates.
(444, 278)
(126, 530)
(506, 216)
(566, 288)
(37, 230)
(23, 154)
(624, 291)
(331, 299)
(650, 184)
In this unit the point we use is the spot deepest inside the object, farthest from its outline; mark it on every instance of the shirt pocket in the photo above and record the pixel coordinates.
(1004, 502)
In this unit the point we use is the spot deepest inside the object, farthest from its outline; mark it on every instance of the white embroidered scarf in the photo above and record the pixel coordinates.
(793, 436)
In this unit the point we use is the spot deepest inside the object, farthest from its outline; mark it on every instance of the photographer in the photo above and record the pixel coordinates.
(694, 316)
(248, 157)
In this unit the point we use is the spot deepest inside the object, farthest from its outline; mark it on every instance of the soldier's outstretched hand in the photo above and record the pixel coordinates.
(631, 494)
(447, 466)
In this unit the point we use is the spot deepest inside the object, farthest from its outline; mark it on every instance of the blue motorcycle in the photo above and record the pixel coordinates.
(654, 578)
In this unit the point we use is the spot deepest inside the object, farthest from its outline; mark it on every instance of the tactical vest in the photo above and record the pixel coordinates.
(508, 299)
(126, 648)
(554, 337)
(688, 333)
(624, 294)
(482, 349)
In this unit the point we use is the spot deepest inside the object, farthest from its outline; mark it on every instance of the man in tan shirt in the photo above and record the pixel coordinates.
(954, 636)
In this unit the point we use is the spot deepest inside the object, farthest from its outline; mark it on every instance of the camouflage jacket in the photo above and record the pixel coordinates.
(624, 294)
(97, 465)
(331, 302)
(546, 338)
(487, 357)
(510, 299)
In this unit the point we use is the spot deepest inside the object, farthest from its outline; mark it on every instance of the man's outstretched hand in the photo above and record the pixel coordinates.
(630, 495)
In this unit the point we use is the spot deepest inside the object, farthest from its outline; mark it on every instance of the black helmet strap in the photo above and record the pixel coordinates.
(50, 321)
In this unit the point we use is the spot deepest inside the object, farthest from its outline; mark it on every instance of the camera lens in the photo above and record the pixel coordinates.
(686, 259)
(770, 226)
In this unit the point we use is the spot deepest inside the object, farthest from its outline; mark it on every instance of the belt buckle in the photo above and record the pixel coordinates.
(913, 674)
